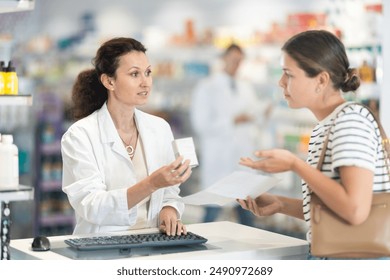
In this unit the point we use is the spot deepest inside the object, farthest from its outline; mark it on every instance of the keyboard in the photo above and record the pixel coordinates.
(129, 241)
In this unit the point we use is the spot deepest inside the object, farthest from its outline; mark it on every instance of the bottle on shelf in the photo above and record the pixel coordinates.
(11, 80)
(9, 163)
(366, 72)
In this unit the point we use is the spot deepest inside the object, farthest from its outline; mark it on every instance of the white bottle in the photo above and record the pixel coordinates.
(9, 163)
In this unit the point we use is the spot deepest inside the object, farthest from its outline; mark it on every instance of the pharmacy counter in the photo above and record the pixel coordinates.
(226, 240)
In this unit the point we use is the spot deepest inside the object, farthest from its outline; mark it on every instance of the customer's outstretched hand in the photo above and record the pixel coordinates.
(271, 161)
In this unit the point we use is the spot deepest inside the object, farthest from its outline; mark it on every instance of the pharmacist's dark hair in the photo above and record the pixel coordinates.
(316, 51)
(88, 93)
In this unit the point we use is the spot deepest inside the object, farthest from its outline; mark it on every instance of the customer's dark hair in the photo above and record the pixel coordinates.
(88, 93)
(319, 50)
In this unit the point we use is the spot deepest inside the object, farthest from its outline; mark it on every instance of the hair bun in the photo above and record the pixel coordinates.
(352, 80)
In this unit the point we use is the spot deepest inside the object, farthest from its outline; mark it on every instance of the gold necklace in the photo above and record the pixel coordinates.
(130, 149)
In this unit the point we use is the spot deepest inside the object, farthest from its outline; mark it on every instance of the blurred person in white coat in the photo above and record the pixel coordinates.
(224, 115)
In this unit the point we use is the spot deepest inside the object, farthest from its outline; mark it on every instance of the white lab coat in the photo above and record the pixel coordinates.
(214, 107)
(97, 171)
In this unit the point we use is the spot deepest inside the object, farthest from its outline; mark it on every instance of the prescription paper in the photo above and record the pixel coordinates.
(239, 184)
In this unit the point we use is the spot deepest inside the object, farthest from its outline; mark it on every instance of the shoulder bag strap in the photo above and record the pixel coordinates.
(322, 155)
(385, 140)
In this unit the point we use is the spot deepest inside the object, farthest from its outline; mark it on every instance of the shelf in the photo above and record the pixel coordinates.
(287, 115)
(10, 6)
(53, 213)
(369, 91)
(51, 148)
(17, 194)
(48, 186)
(56, 219)
(373, 47)
(16, 100)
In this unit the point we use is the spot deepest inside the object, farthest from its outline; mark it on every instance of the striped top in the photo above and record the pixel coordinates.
(354, 140)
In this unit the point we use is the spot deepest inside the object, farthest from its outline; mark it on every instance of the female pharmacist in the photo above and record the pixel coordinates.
(315, 72)
(119, 170)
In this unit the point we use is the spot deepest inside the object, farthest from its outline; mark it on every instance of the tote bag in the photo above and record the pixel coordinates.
(334, 237)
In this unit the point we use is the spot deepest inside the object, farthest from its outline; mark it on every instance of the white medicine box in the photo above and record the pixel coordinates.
(185, 147)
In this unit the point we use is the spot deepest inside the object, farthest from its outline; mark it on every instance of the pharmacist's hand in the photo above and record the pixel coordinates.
(263, 205)
(169, 175)
(271, 161)
(169, 223)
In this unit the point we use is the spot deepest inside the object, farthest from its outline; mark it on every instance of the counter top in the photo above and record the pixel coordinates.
(226, 240)
(17, 194)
